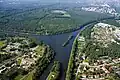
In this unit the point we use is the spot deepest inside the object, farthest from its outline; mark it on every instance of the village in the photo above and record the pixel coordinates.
(99, 70)
(22, 54)
(103, 67)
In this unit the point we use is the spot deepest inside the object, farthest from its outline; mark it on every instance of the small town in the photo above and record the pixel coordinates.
(101, 8)
(24, 60)
(98, 70)
(21, 54)
(104, 66)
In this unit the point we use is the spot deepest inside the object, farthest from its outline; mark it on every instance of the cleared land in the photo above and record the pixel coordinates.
(2, 43)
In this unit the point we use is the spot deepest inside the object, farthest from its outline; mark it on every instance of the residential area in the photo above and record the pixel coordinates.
(92, 61)
(101, 8)
(19, 56)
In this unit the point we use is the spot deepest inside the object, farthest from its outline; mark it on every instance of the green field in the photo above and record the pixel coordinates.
(29, 76)
(40, 50)
(2, 43)
(54, 72)
(18, 77)
(44, 21)
(112, 22)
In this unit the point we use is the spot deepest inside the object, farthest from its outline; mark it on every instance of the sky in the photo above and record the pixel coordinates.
(73, 1)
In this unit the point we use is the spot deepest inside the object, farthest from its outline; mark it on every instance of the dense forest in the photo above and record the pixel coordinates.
(43, 21)
(112, 51)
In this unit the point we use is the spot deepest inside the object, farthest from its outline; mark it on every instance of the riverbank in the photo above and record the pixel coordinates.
(59, 32)
(70, 75)
(55, 71)
(71, 60)
(62, 53)
(24, 58)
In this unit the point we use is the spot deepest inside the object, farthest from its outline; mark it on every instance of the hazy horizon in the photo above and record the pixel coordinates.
(73, 1)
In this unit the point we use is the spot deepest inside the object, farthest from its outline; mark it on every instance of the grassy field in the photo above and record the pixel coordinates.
(29, 76)
(2, 43)
(40, 50)
(18, 77)
(112, 22)
(54, 72)
(52, 76)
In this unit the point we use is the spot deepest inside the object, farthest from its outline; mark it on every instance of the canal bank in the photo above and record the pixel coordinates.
(56, 41)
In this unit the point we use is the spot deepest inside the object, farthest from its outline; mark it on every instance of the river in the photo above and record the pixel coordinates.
(55, 41)
(62, 53)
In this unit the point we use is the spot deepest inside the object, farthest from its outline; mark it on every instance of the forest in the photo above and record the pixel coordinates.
(43, 21)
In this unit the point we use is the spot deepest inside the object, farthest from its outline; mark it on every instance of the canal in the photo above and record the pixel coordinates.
(62, 53)
(56, 42)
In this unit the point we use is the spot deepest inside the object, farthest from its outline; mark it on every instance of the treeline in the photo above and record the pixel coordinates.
(113, 50)
(43, 62)
(87, 31)
(54, 71)
(54, 32)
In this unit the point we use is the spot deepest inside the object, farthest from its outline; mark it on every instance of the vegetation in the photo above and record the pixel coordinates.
(112, 77)
(40, 50)
(112, 22)
(44, 21)
(43, 62)
(2, 43)
(71, 65)
(111, 51)
(24, 59)
(18, 77)
(70, 71)
(89, 51)
(29, 76)
(5, 56)
(87, 31)
(54, 72)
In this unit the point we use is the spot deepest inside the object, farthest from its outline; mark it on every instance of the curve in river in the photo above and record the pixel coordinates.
(56, 41)
(63, 53)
